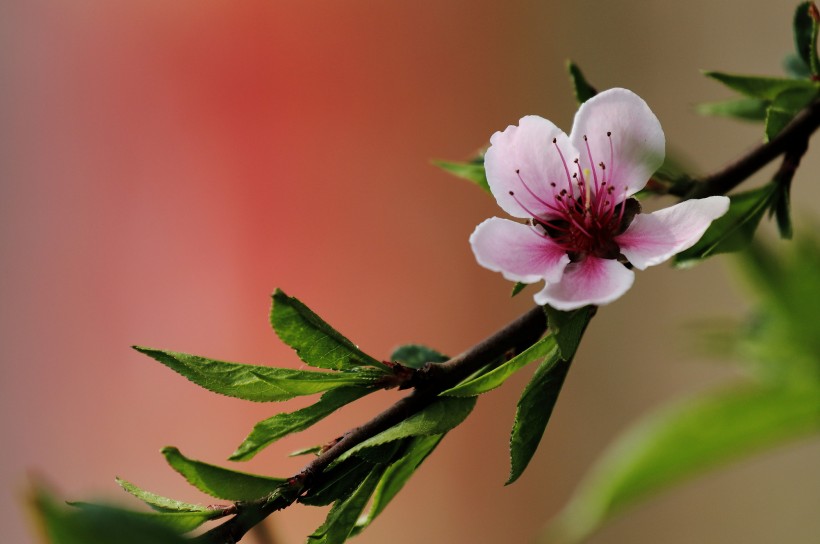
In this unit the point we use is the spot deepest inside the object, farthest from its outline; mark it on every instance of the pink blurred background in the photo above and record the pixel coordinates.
(165, 165)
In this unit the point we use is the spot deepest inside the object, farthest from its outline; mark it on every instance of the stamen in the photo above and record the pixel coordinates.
(563, 161)
(517, 201)
(527, 187)
(592, 164)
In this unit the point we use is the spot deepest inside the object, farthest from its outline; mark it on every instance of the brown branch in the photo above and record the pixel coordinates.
(428, 383)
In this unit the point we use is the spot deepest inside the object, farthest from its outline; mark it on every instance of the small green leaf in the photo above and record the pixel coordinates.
(312, 450)
(471, 171)
(784, 107)
(438, 418)
(734, 230)
(794, 66)
(162, 504)
(316, 343)
(416, 356)
(219, 482)
(581, 88)
(682, 440)
(747, 109)
(765, 88)
(546, 347)
(397, 474)
(568, 327)
(178, 522)
(341, 520)
(781, 208)
(272, 429)
(533, 413)
(805, 35)
(518, 287)
(100, 524)
(340, 480)
(253, 382)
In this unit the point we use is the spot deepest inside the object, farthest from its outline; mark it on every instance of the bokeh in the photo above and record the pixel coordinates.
(165, 165)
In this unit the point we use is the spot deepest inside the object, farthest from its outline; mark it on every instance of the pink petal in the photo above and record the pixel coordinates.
(590, 281)
(638, 143)
(652, 238)
(526, 152)
(517, 251)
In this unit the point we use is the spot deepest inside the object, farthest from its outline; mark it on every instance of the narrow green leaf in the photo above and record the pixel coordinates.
(580, 86)
(416, 356)
(397, 474)
(100, 525)
(682, 440)
(340, 480)
(784, 107)
(734, 230)
(518, 287)
(341, 520)
(794, 66)
(471, 171)
(533, 413)
(805, 35)
(568, 327)
(312, 450)
(219, 482)
(438, 418)
(781, 208)
(546, 347)
(162, 504)
(316, 343)
(254, 382)
(747, 109)
(178, 522)
(272, 429)
(765, 88)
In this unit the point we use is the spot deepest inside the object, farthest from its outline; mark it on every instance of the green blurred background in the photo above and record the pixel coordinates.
(165, 165)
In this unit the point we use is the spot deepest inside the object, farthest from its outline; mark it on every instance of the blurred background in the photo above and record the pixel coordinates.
(165, 165)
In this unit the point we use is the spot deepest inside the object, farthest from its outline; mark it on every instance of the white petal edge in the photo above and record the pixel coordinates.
(517, 251)
(528, 148)
(638, 142)
(591, 281)
(655, 237)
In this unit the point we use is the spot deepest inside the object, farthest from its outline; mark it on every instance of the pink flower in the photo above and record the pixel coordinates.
(583, 232)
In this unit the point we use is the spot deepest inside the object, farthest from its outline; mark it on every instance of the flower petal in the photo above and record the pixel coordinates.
(523, 159)
(638, 143)
(590, 281)
(654, 237)
(517, 251)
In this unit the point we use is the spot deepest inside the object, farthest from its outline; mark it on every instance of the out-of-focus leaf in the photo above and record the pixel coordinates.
(341, 520)
(734, 230)
(339, 482)
(471, 171)
(219, 482)
(312, 450)
(518, 287)
(255, 382)
(178, 522)
(533, 413)
(568, 327)
(805, 35)
(416, 356)
(682, 440)
(546, 347)
(765, 88)
(580, 86)
(781, 208)
(102, 524)
(747, 109)
(784, 107)
(438, 418)
(163, 504)
(794, 66)
(397, 475)
(316, 343)
(272, 429)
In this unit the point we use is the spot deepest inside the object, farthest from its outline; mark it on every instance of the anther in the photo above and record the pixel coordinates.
(517, 171)
(609, 134)
(585, 137)
(552, 184)
(555, 140)
(512, 193)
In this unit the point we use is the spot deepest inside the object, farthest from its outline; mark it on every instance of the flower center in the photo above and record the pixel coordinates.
(585, 214)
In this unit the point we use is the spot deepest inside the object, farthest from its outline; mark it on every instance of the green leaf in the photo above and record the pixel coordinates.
(178, 522)
(219, 482)
(471, 171)
(163, 504)
(312, 450)
(341, 520)
(734, 230)
(765, 88)
(518, 287)
(546, 347)
(101, 524)
(568, 327)
(438, 418)
(416, 356)
(253, 382)
(316, 343)
(781, 208)
(533, 413)
(748, 109)
(683, 440)
(272, 429)
(805, 35)
(340, 480)
(397, 474)
(784, 107)
(581, 88)
(794, 66)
